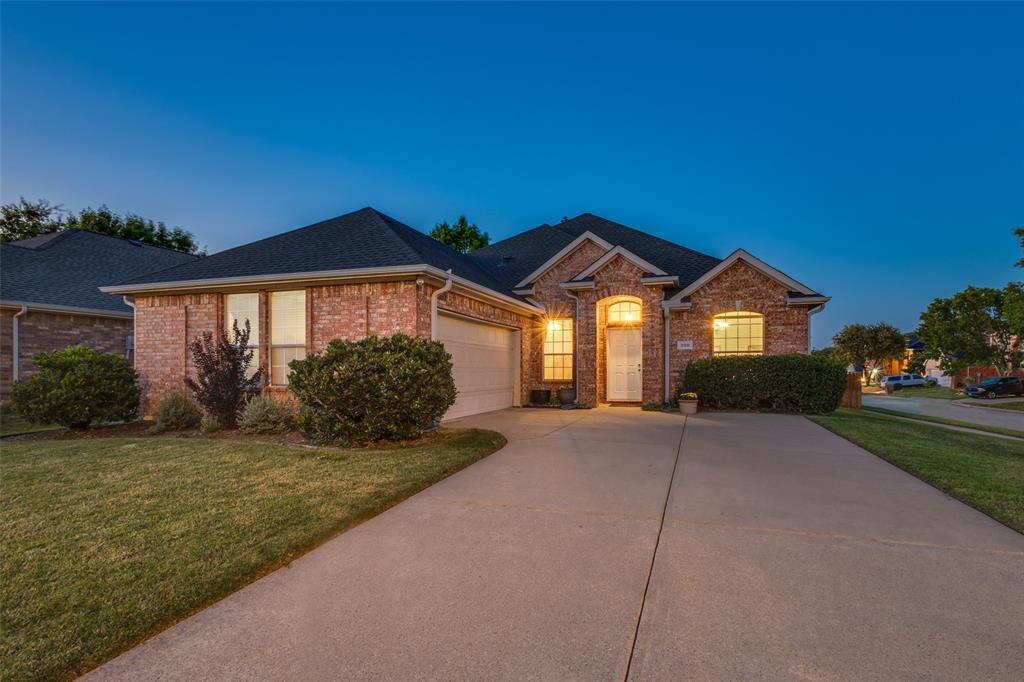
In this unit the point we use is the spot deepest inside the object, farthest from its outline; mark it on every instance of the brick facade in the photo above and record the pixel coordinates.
(354, 311)
(46, 331)
(740, 287)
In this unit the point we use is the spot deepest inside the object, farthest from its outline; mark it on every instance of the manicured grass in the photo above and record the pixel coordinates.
(109, 540)
(12, 424)
(1019, 407)
(950, 422)
(982, 471)
(940, 392)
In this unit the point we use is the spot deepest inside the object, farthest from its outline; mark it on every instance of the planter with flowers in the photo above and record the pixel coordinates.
(688, 403)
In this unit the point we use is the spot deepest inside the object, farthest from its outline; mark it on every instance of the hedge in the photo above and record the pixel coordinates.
(771, 383)
(375, 389)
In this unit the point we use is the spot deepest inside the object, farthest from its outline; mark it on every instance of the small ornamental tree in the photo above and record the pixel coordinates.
(76, 387)
(222, 385)
(375, 389)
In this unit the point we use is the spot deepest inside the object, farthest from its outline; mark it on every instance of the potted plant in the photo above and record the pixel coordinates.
(567, 395)
(688, 403)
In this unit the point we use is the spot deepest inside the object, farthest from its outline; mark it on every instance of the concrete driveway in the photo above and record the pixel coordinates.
(614, 543)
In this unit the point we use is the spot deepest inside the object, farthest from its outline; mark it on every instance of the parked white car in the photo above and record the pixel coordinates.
(898, 381)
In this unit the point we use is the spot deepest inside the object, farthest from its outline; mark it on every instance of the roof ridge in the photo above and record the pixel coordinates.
(647, 234)
(391, 223)
(517, 235)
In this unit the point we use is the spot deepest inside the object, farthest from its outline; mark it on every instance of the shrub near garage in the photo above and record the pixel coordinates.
(78, 386)
(775, 383)
(375, 389)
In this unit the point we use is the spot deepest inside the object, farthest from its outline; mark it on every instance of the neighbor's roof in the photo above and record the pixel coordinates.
(66, 268)
(513, 259)
(364, 239)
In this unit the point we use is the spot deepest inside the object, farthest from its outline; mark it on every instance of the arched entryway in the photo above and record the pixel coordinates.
(620, 348)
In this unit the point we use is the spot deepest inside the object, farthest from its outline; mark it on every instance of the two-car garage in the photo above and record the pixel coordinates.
(485, 364)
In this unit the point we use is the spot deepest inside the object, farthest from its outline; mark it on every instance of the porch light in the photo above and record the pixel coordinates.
(629, 317)
(721, 324)
(554, 325)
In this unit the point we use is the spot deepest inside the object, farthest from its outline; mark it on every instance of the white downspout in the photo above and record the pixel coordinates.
(813, 311)
(15, 365)
(575, 334)
(135, 327)
(433, 305)
(665, 310)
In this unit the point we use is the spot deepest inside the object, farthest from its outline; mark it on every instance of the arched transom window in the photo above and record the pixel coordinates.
(624, 312)
(739, 333)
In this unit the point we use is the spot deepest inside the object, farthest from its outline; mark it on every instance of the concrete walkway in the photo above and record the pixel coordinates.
(949, 409)
(782, 551)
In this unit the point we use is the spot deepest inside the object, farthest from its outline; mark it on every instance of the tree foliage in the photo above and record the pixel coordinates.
(221, 385)
(1020, 234)
(977, 326)
(375, 389)
(462, 236)
(76, 387)
(24, 219)
(869, 345)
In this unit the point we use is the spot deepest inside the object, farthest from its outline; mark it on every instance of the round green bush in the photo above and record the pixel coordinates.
(810, 384)
(76, 387)
(267, 414)
(375, 389)
(176, 411)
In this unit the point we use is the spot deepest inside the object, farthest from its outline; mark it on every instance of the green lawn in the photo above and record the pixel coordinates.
(108, 540)
(982, 471)
(949, 422)
(940, 392)
(1019, 407)
(12, 424)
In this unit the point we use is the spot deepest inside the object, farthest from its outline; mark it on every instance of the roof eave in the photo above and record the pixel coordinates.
(66, 309)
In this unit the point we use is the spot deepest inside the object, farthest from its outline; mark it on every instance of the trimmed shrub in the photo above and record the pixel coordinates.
(375, 389)
(772, 383)
(177, 411)
(221, 385)
(267, 414)
(76, 387)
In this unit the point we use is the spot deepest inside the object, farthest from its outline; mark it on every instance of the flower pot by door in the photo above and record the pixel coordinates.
(688, 407)
(566, 396)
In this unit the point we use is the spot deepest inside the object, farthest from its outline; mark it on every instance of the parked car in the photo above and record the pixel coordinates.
(898, 381)
(996, 387)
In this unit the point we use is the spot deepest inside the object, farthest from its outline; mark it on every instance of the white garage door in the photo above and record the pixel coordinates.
(484, 362)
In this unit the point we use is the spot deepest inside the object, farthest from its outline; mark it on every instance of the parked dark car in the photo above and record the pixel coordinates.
(996, 387)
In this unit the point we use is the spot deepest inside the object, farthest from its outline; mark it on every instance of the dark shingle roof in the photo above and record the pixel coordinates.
(66, 268)
(362, 239)
(531, 249)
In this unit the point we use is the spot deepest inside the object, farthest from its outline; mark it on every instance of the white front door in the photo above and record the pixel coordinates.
(624, 364)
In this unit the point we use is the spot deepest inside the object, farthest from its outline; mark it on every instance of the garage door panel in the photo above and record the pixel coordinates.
(483, 364)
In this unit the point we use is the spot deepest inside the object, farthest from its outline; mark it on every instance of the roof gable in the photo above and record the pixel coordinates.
(756, 263)
(625, 254)
(563, 253)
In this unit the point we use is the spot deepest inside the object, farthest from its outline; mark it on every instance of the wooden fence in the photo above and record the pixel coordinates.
(851, 396)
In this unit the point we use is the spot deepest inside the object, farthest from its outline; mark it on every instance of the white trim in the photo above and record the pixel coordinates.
(66, 309)
(672, 280)
(569, 248)
(300, 278)
(625, 253)
(433, 305)
(756, 263)
(807, 300)
(677, 305)
(577, 286)
(528, 291)
(811, 313)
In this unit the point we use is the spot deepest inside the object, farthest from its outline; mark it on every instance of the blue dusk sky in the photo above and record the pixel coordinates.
(873, 151)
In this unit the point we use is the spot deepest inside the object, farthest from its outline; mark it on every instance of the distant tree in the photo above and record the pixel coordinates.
(870, 346)
(132, 226)
(24, 219)
(462, 236)
(1020, 233)
(977, 326)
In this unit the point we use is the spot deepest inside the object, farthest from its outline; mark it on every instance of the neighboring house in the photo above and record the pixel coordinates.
(915, 346)
(587, 303)
(49, 295)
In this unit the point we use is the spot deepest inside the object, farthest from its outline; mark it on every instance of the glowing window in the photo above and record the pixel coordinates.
(624, 312)
(287, 333)
(558, 350)
(242, 308)
(739, 333)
